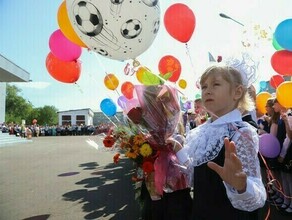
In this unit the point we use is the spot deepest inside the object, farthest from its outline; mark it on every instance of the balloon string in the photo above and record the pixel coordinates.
(79, 88)
(117, 118)
(106, 73)
(110, 120)
(190, 58)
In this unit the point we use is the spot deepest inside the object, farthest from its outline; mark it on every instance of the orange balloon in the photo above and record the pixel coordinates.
(127, 89)
(66, 27)
(66, 72)
(111, 81)
(261, 101)
(283, 94)
(182, 83)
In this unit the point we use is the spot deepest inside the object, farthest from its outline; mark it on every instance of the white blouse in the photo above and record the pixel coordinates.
(204, 143)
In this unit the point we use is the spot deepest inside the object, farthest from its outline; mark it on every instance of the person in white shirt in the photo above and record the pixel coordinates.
(221, 155)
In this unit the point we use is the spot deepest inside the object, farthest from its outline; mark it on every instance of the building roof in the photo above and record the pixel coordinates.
(74, 110)
(10, 72)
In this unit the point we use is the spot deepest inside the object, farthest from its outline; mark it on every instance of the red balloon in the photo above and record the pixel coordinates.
(66, 72)
(127, 89)
(169, 64)
(276, 80)
(281, 62)
(180, 22)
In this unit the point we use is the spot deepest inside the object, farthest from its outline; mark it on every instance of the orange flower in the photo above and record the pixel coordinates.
(139, 139)
(116, 158)
(108, 141)
(131, 154)
(147, 167)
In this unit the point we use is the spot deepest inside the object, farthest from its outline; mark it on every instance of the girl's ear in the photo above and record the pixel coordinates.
(238, 93)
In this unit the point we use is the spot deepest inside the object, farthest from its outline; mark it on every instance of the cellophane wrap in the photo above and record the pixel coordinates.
(160, 113)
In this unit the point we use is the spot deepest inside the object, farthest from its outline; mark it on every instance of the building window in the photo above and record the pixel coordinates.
(66, 119)
(80, 119)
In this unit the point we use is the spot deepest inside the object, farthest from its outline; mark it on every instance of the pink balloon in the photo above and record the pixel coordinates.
(62, 48)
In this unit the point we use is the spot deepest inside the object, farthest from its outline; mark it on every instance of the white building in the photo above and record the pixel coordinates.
(76, 117)
(9, 72)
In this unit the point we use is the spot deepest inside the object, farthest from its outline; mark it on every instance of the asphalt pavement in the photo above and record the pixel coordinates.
(62, 178)
(70, 178)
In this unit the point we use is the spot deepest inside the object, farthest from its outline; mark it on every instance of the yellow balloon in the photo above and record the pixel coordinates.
(66, 27)
(182, 83)
(111, 81)
(140, 72)
(261, 101)
(284, 94)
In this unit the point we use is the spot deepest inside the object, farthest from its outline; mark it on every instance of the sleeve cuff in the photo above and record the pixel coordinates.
(232, 193)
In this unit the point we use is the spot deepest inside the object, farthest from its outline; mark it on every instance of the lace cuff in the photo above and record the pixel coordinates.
(253, 198)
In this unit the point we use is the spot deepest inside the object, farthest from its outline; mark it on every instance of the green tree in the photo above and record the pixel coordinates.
(17, 108)
(48, 115)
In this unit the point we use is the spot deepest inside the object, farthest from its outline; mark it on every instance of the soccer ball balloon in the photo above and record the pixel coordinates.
(117, 29)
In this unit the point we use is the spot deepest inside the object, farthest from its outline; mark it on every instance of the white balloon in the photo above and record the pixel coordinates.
(117, 29)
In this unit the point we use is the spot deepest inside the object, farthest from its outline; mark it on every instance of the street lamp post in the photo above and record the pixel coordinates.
(227, 17)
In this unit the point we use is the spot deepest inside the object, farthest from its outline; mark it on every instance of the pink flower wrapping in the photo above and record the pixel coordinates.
(160, 113)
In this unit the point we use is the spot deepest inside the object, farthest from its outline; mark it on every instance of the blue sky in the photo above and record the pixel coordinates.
(27, 25)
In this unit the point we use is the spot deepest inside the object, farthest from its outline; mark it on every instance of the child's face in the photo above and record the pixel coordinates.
(218, 96)
(277, 107)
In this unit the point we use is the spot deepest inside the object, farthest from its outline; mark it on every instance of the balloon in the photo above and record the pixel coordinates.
(261, 101)
(276, 44)
(283, 34)
(127, 89)
(111, 81)
(140, 72)
(130, 104)
(180, 22)
(169, 64)
(269, 145)
(108, 107)
(283, 94)
(281, 62)
(276, 80)
(119, 30)
(135, 115)
(62, 48)
(122, 100)
(198, 96)
(182, 83)
(66, 72)
(263, 85)
(66, 27)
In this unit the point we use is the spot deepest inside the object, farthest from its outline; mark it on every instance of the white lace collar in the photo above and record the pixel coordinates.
(206, 141)
(233, 116)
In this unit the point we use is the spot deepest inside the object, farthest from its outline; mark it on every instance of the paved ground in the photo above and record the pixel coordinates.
(60, 178)
(64, 178)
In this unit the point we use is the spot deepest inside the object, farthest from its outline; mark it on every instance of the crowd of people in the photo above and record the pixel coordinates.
(35, 130)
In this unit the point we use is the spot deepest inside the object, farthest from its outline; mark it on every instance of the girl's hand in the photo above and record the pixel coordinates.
(231, 172)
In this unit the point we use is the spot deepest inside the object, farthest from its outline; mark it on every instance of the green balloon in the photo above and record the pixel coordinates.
(276, 45)
(150, 79)
(198, 96)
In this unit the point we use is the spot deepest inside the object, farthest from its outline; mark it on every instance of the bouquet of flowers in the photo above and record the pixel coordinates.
(144, 139)
(135, 144)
